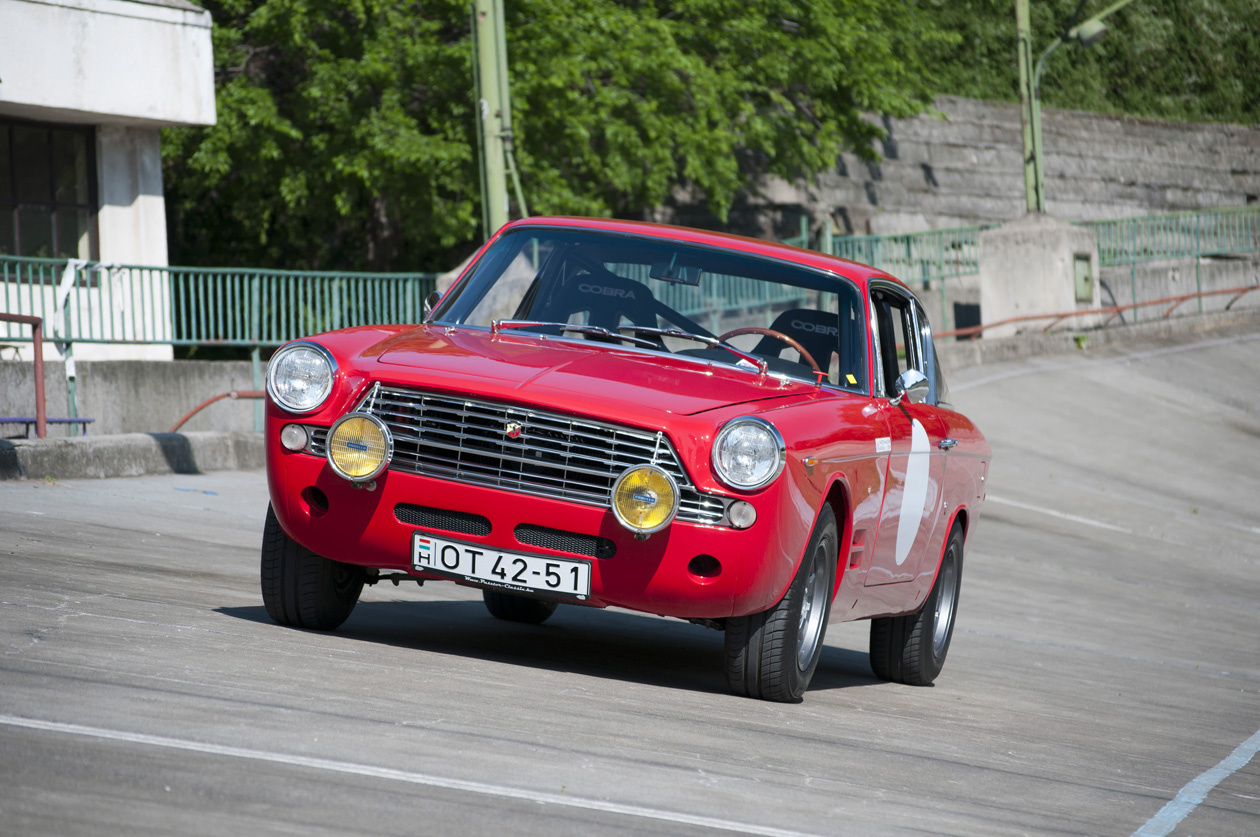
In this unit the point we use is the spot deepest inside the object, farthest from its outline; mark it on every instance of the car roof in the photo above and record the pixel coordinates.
(855, 271)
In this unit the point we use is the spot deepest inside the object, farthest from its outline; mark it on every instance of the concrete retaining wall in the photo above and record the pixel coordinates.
(1160, 280)
(1156, 280)
(132, 396)
(963, 354)
(130, 455)
(963, 166)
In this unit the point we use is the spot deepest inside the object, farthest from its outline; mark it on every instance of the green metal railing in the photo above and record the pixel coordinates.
(721, 294)
(941, 255)
(950, 253)
(88, 302)
(801, 239)
(916, 257)
(1178, 235)
(926, 257)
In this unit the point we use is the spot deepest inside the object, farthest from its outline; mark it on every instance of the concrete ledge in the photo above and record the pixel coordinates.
(130, 455)
(966, 353)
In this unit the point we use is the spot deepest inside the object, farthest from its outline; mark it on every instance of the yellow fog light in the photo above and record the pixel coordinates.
(359, 447)
(644, 499)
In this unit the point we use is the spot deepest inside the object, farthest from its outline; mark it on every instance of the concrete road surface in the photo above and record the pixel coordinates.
(1104, 676)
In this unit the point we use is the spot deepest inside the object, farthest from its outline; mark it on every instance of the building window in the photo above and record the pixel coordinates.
(47, 190)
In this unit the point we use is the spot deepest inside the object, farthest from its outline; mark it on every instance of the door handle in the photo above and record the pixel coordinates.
(946, 444)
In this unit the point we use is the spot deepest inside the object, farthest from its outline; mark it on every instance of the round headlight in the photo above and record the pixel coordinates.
(359, 447)
(300, 377)
(748, 453)
(644, 499)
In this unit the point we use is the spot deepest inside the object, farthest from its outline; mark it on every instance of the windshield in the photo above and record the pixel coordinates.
(662, 295)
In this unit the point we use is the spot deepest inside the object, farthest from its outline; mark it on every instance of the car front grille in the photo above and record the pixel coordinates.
(579, 544)
(452, 521)
(553, 455)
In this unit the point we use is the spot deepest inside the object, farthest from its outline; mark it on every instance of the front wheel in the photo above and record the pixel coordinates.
(302, 589)
(911, 649)
(772, 655)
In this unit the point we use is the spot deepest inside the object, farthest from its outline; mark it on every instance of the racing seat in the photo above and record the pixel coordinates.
(607, 300)
(817, 331)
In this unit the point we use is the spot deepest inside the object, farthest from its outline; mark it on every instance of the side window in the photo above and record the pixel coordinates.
(897, 337)
(939, 393)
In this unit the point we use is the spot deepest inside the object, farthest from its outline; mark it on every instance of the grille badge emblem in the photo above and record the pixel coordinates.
(513, 429)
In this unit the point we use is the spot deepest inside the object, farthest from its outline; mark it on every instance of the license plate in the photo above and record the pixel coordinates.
(510, 571)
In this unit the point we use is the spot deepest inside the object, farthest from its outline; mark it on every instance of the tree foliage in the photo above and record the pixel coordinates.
(346, 132)
(1185, 60)
(344, 138)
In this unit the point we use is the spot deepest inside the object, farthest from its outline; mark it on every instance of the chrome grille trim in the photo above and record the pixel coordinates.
(556, 456)
(318, 444)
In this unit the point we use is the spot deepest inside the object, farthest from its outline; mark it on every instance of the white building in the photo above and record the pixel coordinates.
(85, 87)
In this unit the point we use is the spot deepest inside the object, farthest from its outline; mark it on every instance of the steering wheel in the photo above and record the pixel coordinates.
(777, 335)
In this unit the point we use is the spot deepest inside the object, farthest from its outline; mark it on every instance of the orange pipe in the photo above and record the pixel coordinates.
(234, 394)
(1114, 310)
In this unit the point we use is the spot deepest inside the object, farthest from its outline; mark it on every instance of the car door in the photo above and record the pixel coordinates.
(914, 472)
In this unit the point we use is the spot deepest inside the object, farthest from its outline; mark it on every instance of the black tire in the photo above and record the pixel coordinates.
(511, 608)
(302, 589)
(911, 649)
(772, 655)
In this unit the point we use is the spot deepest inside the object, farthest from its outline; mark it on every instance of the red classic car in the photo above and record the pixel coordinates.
(745, 435)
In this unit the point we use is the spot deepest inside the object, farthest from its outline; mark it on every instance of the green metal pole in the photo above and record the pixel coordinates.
(1038, 153)
(505, 99)
(1023, 30)
(481, 168)
(255, 356)
(72, 397)
(1086, 34)
(1198, 259)
(1114, 7)
(492, 158)
(1133, 268)
(255, 363)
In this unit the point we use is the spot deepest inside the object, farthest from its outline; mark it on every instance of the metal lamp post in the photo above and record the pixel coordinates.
(490, 75)
(1086, 34)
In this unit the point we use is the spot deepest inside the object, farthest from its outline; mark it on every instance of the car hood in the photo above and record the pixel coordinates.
(569, 374)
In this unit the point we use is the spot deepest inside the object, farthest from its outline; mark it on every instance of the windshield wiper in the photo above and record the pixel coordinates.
(498, 325)
(711, 342)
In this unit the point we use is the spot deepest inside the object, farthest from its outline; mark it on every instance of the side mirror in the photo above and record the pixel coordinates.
(911, 384)
(430, 302)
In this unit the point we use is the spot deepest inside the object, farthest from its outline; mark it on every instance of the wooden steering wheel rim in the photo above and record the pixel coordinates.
(777, 335)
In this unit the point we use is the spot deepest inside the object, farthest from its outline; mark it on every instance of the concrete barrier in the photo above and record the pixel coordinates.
(130, 455)
(1159, 280)
(134, 396)
(961, 354)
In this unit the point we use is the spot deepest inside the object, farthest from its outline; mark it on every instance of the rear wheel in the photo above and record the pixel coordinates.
(511, 608)
(302, 589)
(911, 649)
(772, 655)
